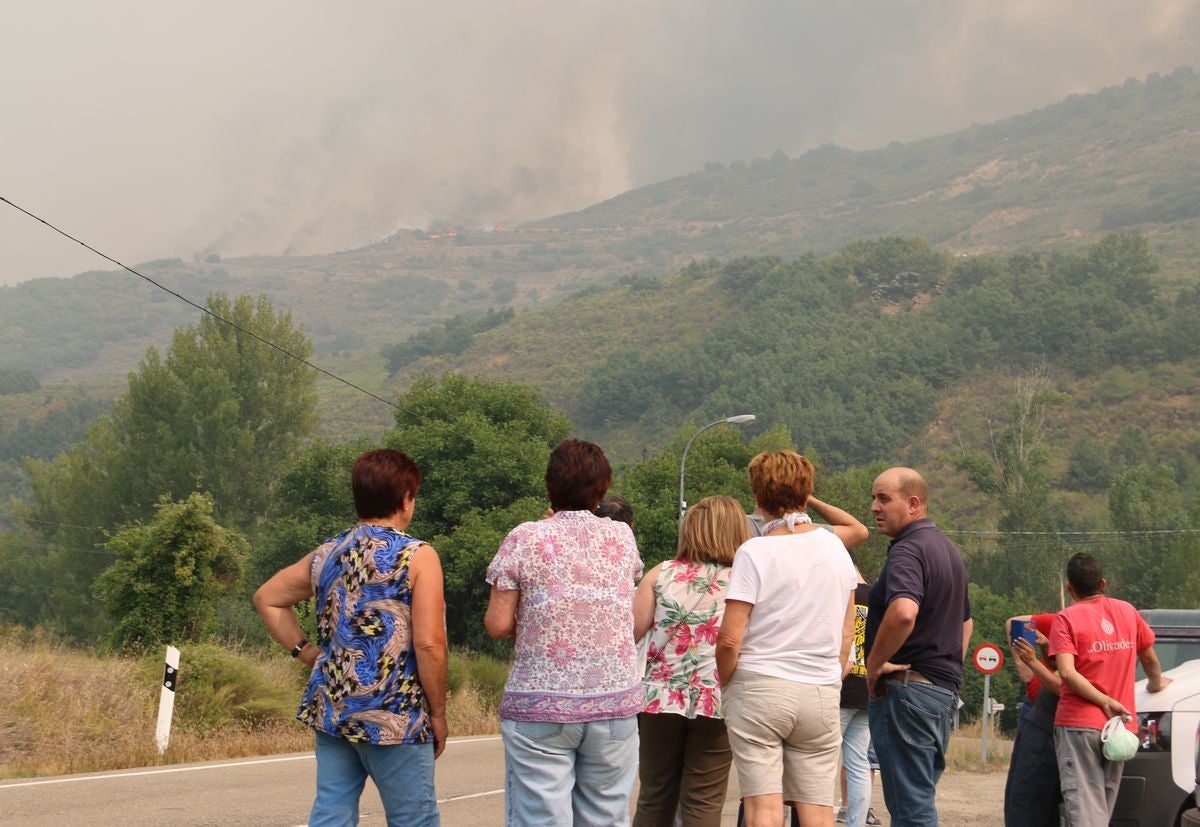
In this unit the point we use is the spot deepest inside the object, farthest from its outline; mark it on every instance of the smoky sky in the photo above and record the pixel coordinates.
(157, 129)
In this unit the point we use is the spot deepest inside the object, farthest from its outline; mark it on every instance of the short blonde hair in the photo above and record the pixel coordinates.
(712, 530)
(782, 481)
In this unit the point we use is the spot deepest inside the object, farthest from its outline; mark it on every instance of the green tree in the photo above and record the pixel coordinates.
(311, 501)
(1013, 469)
(169, 573)
(989, 611)
(24, 587)
(482, 448)
(222, 413)
(479, 445)
(1157, 565)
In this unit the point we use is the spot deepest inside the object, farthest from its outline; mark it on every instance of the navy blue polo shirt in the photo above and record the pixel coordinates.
(926, 567)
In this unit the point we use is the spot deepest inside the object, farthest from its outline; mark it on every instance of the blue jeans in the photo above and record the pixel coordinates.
(910, 728)
(559, 774)
(403, 774)
(856, 740)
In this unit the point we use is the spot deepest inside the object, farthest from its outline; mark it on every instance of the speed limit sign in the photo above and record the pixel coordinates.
(988, 658)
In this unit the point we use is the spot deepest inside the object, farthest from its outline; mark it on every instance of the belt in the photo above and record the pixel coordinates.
(907, 676)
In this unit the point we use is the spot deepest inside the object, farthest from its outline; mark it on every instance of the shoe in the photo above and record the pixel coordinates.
(872, 819)
(840, 818)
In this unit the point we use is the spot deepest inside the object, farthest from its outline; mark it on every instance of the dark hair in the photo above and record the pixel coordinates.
(577, 475)
(1084, 574)
(781, 481)
(615, 507)
(381, 480)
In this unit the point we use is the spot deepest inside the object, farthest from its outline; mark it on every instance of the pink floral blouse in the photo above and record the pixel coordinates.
(575, 659)
(681, 660)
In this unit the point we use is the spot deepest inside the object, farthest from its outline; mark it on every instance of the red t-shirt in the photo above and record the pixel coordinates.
(1043, 624)
(1105, 636)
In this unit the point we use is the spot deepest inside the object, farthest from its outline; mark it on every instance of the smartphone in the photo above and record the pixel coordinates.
(1025, 630)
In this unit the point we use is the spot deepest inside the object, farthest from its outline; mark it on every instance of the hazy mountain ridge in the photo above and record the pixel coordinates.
(1125, 156)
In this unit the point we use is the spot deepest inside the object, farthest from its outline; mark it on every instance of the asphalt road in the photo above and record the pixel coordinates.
(275, 790)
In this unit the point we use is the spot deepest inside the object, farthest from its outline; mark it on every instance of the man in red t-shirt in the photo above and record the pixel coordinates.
(1096, 643)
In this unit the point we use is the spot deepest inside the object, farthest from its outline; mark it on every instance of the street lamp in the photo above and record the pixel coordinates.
(740, 419)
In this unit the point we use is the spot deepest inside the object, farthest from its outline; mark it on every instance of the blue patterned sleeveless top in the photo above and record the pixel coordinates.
(364, 685)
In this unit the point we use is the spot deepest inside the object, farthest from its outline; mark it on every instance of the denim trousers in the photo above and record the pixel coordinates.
(856, 740)
(910, 729)
(403, 775)
(560, 774)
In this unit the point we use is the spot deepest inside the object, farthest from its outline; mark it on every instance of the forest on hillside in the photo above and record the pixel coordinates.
(205, 476)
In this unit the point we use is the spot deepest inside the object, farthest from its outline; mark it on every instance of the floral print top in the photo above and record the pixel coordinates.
(364, 686)
(575, 659)
(681, 659)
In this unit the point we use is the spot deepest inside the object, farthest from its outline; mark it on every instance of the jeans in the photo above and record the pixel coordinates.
(559, 774)
(403, 775)
(910, 729)
(856, 740)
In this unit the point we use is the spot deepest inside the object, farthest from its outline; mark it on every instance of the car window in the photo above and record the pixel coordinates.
(1172, 652)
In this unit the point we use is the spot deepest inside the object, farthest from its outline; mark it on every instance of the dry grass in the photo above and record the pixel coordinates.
(67, 711)
(964, 754)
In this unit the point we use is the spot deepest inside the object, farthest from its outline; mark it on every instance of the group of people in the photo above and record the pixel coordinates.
(752, 635)
(1079, 676)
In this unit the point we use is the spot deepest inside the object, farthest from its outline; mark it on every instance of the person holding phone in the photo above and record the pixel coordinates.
(1032, 791)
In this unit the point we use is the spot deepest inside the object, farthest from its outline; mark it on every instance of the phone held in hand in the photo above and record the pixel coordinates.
(1025, 630)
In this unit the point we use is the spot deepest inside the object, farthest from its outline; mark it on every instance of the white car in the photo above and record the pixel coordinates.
(1159, 783)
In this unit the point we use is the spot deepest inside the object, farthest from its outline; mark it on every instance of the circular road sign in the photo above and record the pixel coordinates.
(988, 658)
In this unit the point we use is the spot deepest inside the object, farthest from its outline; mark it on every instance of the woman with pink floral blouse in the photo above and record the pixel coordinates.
(562, 588)
(685, 754)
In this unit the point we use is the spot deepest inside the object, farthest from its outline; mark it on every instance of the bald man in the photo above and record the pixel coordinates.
(918, 627)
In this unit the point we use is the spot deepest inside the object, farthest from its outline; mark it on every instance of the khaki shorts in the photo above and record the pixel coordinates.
(786, 736)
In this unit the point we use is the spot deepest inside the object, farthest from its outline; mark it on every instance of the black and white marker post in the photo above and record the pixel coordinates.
(166, 701)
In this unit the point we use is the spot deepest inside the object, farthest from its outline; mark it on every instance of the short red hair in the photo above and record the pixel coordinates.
(782, 481)
(381, 480)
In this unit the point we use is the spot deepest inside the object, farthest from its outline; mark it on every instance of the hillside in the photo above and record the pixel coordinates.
(1125, 157)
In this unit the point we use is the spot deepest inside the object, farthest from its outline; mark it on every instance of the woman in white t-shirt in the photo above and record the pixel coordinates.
(784, 644)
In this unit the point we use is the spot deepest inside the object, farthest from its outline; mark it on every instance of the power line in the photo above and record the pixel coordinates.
(232, 324)
(1126, 533)
(48, 547)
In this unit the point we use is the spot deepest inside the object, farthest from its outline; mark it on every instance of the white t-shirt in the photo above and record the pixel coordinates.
(800, 586)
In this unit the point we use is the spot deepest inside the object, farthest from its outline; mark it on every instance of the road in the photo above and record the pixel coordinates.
(276, 791)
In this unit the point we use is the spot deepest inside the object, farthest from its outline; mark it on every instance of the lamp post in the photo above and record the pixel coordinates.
(740, 419)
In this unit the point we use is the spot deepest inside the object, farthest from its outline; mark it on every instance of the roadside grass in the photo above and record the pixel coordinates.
(965, 751)
(69, 711)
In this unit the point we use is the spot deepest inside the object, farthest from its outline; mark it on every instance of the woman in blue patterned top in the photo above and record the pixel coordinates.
(377, 695)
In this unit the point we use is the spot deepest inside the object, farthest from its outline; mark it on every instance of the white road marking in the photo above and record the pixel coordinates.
(472, 795)
(166, 770)
(107, 776)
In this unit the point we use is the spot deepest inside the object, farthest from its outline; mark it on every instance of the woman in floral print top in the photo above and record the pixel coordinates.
(685, 756)
(562, 588)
